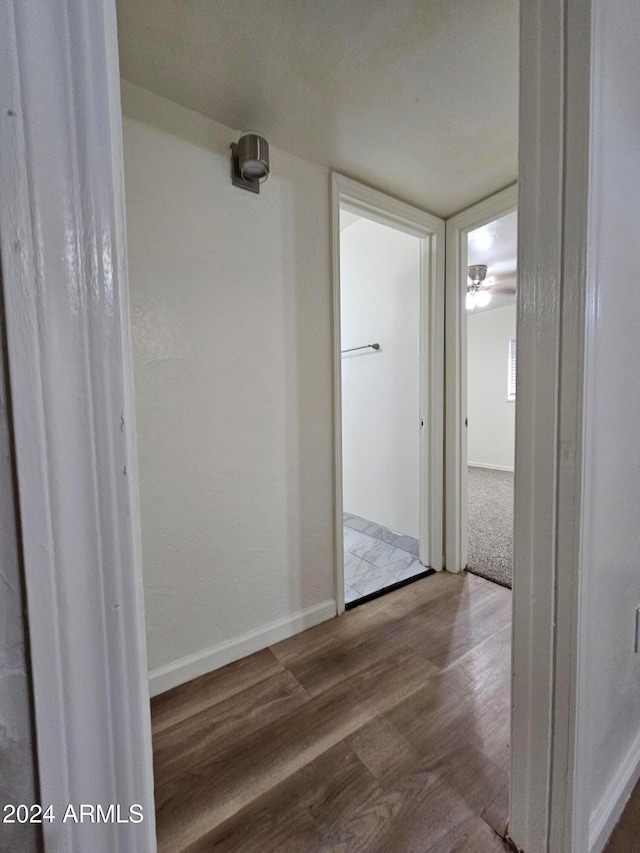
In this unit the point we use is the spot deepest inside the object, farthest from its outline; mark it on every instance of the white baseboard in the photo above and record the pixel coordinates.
(205, 661)
(611, 806)
(490, 467)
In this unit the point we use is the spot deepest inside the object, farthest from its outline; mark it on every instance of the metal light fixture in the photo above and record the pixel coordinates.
(250, 161)
(476, 296)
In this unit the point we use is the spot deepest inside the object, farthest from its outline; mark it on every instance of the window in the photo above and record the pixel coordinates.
(511, 375)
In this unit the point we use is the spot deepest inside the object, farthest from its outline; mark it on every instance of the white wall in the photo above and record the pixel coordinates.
(611, 476)
(491, 431)
(230, 300)
(380, 303)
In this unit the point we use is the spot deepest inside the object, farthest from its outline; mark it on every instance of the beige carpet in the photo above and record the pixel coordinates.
(491, 525)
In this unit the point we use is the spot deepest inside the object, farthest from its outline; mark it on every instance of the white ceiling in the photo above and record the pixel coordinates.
(496, 245)
(416, 97)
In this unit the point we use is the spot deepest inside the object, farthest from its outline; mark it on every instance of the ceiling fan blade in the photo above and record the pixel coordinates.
(507, 289)
(500, 278)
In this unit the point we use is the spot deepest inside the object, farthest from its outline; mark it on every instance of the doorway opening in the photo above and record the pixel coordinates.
(491, 395)
(388, 323)
(379, 304)
(480, 374)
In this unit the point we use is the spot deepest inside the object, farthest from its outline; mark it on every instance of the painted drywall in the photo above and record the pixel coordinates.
(17, 765)
(231, 305)
(380, 303)
(491, 431)
(611, 476)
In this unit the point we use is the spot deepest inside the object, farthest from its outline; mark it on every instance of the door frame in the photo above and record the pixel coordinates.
(430, 229)
(556, 81)
(72, 413)
(456, 459)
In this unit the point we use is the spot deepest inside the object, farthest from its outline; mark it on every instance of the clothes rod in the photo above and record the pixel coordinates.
(366, 346)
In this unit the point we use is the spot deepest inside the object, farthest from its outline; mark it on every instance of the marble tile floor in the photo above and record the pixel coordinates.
(375, 558)
(400, 540)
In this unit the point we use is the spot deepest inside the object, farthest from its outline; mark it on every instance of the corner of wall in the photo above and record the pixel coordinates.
(193, 666)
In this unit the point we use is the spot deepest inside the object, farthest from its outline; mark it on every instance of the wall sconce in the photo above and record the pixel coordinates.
(249, 161)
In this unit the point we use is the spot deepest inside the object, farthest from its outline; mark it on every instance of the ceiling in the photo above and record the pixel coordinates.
(418, 98)
(496, 245)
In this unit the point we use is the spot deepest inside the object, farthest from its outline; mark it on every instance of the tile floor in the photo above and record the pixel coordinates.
(375, 557)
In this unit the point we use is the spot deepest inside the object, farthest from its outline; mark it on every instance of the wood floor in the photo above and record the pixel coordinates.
(383, 730)
(626, 835)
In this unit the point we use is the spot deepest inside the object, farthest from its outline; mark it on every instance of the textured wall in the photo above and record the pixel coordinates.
(491, 433)
(380, 302)
(230, 299)
(611, 488)
(17, 773)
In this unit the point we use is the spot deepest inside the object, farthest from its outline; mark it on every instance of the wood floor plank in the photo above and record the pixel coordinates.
(299, 813)
(433, 721)
(444, 703)
(489, 661)
(328, 656)
(496, 814)
(473, 623)
(455, 703)
(374, 616)
(491, 730)
(384, 730)
(213, 728)
(624, 840)
(175, 705)
(339, 662)
(626, 836)
(212, 788)
(422, 812)
(480, 838)
(488, 668)
(384, 751)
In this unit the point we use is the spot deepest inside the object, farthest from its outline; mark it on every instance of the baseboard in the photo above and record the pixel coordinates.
(490, 467)
(200, 663)
(611, 806)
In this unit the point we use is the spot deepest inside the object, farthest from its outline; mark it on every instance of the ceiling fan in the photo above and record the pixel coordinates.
(480, 289)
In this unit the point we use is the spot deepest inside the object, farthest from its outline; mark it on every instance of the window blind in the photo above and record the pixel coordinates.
(511, 376)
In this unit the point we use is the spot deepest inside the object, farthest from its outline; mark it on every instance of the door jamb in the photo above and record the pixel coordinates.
(73, 416)
(430, 229)
(455, 473)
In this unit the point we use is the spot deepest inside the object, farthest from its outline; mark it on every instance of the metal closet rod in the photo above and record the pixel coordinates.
(366, 346)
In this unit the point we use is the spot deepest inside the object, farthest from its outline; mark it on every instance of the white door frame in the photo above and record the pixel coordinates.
(549, 775)
(73, 416)
(431, 230)
(62, 231)
(458, 228)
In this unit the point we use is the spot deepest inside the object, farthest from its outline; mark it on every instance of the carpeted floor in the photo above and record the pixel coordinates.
(491, 525)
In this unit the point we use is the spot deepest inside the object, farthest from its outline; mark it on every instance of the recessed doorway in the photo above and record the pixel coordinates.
(388, 320)
(480, 375)
(491, 396)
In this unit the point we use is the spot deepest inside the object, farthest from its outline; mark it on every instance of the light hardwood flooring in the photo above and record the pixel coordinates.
(383, 730)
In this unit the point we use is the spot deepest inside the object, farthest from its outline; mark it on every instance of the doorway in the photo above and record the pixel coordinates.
(491, 395)
(380, 303)
(462, 252)
(388, 354)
